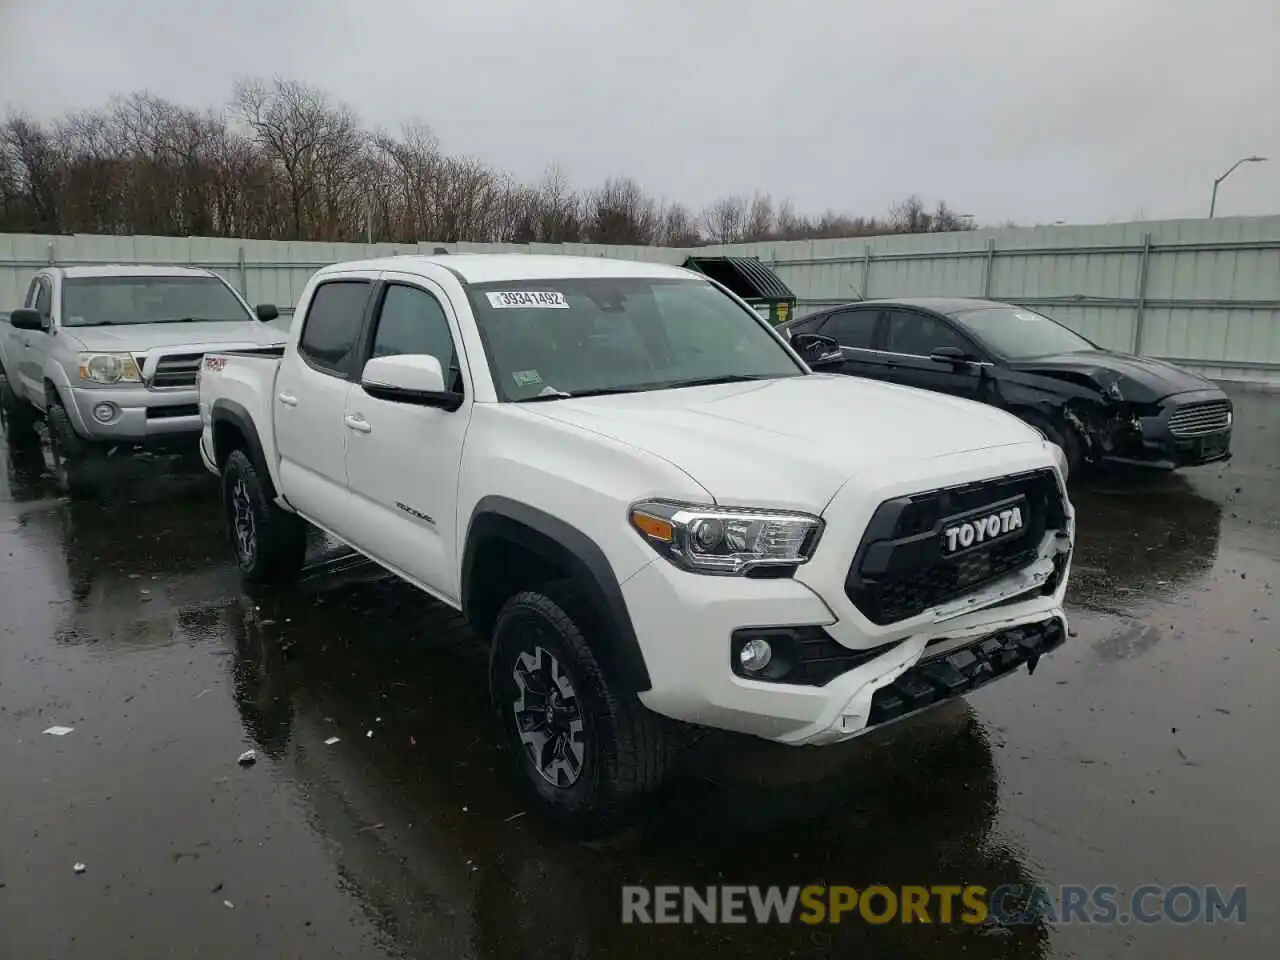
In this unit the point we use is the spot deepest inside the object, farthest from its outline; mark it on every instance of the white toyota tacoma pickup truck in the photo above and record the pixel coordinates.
(658, 512)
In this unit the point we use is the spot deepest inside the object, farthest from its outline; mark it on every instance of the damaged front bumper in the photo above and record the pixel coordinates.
(1185, 430)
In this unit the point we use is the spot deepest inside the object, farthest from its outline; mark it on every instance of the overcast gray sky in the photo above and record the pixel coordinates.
(1030, 110)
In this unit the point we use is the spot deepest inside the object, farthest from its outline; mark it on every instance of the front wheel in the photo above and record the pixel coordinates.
(1066, 437)
(270, 543)
(583, 753)
(77, 463)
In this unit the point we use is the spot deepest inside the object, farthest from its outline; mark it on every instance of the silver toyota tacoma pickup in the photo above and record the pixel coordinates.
(108, 356)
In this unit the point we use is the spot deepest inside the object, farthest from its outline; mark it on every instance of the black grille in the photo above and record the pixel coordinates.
(900, 569)
(174, 410)
(1198, 419)
(933, 681)
(177, 370)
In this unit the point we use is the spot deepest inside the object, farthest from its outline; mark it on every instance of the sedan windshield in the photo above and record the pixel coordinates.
(98, 301)
(548, 339)
(1020, 334)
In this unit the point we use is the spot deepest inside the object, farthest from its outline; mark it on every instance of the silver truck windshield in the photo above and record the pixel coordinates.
(99, 301)
(554, 338)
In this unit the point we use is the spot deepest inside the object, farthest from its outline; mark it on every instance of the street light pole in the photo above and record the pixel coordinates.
(1214, 201)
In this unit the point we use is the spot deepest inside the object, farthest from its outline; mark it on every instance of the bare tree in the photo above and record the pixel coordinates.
(620, 212)
(285, 161)
(725, 220)
(678, 228)
(314, 143)
(33, 175)
(760, 220)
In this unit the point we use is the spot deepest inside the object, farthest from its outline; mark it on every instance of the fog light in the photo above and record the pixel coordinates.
(755, 655)
(104, 412)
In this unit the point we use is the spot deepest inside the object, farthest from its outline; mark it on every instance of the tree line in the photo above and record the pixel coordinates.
(285, 161)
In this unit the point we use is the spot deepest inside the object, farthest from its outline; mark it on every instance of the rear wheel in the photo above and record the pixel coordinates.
(270, 543)
(18, 418)
(583, 754)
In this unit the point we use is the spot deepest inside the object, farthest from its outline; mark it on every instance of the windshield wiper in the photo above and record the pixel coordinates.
(195, 320)
(646, 387)
(709, 381)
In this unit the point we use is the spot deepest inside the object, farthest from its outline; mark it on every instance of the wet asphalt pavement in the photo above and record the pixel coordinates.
(1144, 751)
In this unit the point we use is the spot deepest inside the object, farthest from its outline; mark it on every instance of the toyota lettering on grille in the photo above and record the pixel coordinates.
(984, 528)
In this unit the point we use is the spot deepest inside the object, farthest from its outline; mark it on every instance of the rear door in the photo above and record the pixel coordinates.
(403, 459)
(907, 340)
(855, 330)
(310, 402)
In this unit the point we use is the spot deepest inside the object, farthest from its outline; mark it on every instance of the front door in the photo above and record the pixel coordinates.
(403, 459)
(854, 330)
(310, 400)
(34, 345)
(908, 340)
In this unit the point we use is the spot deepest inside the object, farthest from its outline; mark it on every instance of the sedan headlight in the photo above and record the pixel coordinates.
(726, 541)
(109, 368)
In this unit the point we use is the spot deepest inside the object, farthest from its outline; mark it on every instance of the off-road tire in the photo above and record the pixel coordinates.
(18, 419)
(628, 751)
(77, 462)
(273, 545)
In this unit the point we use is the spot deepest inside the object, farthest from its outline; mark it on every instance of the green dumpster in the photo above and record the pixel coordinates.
(752, 281)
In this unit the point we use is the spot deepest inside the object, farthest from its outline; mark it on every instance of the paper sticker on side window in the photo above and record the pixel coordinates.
(546, 300)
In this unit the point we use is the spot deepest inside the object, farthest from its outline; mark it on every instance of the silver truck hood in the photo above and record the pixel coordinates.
(192, 337)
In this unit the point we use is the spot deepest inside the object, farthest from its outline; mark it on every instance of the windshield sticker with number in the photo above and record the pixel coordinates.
(526, 378)
(545, 299)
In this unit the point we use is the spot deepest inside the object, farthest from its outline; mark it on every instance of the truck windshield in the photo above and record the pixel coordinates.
(95, 301)
(581, 337)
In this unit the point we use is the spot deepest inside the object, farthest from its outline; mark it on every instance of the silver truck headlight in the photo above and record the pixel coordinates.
(727, 541)
(109, 368)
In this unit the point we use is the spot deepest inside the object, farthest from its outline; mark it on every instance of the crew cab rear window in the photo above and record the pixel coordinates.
(333, 323)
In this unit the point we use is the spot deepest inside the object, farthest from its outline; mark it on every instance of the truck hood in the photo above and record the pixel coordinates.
(793, 441)
(144, 337)
(1141, 379)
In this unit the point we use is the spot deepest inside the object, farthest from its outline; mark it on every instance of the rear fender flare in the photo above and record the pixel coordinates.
(232, 413)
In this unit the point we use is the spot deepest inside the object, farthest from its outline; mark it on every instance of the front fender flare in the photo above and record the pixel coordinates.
(568, 548)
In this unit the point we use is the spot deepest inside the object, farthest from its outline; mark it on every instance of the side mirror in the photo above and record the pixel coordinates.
(413, 378)
(25, 318)
(266, 312)
(816, 350)
(952, 355)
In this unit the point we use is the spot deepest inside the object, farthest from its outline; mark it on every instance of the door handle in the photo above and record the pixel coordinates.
(288, 399)
(358, 423)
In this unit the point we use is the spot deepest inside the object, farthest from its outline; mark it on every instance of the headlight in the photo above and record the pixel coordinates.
(109, 368)
(730, 540)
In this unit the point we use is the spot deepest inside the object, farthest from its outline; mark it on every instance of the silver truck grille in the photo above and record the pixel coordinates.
(176, 370)
(1198, 419)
